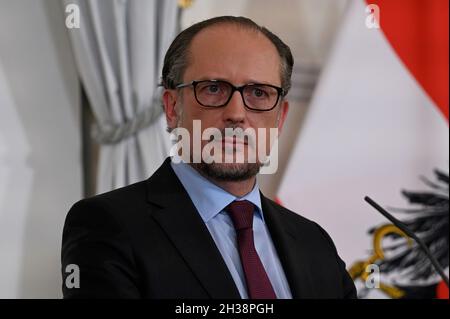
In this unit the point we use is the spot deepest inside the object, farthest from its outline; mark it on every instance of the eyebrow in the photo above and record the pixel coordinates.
(249, 81)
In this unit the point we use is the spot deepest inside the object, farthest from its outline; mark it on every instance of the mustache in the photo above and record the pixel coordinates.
(247, 136)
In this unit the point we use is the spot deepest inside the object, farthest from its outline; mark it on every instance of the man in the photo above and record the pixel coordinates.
(197, 229)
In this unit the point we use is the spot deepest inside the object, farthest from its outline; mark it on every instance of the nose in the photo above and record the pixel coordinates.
(234, 111)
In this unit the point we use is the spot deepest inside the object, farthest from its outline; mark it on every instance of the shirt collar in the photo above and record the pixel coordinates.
(208, 198)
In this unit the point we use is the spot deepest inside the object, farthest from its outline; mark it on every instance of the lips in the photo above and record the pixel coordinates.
(233, 140)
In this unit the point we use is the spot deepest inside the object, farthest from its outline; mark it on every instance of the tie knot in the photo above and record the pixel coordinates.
(241, 213)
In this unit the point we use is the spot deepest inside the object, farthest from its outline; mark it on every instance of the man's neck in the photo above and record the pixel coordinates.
(239, 188)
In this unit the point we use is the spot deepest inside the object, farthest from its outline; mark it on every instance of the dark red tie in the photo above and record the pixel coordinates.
(258, 283)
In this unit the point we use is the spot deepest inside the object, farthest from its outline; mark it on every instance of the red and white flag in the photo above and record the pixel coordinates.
(378, 124)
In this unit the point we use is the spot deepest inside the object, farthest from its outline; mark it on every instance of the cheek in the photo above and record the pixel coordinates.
(186, 116)
(269, 130)
(266, 119)
(196, 120)
(207, 118)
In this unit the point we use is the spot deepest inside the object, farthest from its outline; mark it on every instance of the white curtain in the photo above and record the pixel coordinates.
(119, 49)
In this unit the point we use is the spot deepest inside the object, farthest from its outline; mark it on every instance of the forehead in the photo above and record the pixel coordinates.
(233, 53)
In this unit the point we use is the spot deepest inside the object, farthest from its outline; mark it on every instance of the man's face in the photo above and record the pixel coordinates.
(238, 56)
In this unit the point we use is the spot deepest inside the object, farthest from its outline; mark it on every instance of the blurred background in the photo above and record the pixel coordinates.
(80, 114)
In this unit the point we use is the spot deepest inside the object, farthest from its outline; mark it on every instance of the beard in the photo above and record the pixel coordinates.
(234, 171)
(230, 172)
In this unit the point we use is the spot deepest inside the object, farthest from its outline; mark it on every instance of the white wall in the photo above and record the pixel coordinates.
(40, 160)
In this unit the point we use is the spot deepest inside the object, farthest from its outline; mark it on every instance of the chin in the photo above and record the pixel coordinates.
(230, 171)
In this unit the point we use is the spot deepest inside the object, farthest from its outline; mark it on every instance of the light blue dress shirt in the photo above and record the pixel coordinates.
(210, 201)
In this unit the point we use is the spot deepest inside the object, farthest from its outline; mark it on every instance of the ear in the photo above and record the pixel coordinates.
(170, 100)
(283, 113)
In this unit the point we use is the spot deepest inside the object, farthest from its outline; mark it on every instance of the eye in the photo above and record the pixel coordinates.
(259, 92)
(212, 88)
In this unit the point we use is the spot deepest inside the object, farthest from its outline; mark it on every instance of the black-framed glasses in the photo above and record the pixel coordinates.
(217, 93)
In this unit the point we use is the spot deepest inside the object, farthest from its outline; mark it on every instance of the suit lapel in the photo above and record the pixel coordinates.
(292, 251)
(184, 226)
